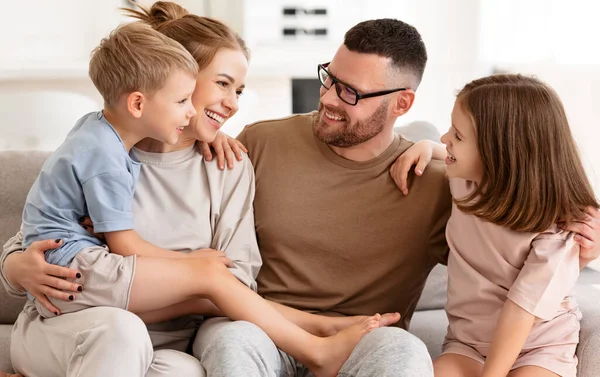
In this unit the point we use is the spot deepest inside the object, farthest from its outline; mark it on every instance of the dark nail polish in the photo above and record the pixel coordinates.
(71, 298)
(78, 275)
(79, 289)
(57, 240)
(81, 219)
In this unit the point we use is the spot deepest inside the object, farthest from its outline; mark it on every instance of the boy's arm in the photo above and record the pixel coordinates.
(129, 242)
(514, 326)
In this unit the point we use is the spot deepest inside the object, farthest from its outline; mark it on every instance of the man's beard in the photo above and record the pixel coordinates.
(347, 135)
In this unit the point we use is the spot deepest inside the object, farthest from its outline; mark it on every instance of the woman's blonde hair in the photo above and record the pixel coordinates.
(533, 176)
(201, 36)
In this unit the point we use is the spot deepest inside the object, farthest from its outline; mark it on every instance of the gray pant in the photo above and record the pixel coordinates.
(240, 348)
(95, 342)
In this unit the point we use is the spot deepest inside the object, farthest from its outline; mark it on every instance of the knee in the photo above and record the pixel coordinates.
(234, 338)
(121, 329)
(390, 351)
(176, 363)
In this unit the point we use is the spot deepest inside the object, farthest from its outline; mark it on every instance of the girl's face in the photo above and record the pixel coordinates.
(218, 87)
(464, 160)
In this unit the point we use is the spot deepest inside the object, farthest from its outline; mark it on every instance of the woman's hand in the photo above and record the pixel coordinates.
(420, 154)
(225, 148)
(30, 271)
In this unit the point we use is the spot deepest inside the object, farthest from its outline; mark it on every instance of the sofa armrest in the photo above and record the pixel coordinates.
(588, 352)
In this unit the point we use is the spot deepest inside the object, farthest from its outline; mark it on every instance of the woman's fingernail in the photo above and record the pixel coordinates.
(81, 219)
(78, 275)
(55, 313)
(71, 298)
(57, 240)
(79, 289)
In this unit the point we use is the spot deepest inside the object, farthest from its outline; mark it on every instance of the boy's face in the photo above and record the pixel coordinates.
(464, 160)
(170, 109)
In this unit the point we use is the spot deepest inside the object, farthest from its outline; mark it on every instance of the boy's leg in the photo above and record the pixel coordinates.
(239, 348)
(98, 342)
(163, 282)
(455, 365)
(389, 352)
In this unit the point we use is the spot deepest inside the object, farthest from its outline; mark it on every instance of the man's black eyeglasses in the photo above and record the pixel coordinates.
(347, 93)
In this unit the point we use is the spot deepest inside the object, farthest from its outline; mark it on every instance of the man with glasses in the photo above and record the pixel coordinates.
(336, 235)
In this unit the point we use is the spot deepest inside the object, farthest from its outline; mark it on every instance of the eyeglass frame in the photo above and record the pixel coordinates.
(335, 80)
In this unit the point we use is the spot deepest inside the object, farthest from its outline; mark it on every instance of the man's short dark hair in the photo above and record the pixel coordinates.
(390, 38)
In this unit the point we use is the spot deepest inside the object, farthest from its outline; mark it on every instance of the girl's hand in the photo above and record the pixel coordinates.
(30, 271)
(225, 147)
(420, 154)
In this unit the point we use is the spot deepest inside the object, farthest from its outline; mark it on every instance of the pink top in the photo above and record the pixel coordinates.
(489, 263)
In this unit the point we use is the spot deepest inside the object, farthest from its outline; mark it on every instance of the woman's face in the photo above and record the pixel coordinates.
(218, 88)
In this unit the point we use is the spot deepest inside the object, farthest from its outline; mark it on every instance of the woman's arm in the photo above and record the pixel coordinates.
(28, 271)
(512, 330)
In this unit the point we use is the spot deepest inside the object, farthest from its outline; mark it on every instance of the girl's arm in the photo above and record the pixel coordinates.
(514, 326)
(420, 154)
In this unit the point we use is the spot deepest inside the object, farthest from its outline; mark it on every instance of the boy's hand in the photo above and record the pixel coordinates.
(225, 147)
(420, 154)
(211, 253)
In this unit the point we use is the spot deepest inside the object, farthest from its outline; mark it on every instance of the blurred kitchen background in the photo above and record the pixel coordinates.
(45, 47)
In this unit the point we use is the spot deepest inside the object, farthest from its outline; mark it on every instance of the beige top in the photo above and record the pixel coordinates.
(337, 236)
(183, 202)
(489, 263)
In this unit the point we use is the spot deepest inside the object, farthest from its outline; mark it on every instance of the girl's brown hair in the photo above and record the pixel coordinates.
(201, 36)
(533, 176)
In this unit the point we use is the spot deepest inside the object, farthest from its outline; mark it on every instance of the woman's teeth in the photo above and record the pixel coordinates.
(451, 157)
(214, 116)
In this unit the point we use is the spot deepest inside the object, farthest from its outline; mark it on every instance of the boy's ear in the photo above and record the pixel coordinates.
(404, 102)
(135, 104)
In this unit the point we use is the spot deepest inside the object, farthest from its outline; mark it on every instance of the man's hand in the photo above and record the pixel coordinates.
(30, 271)
(225, 148)
(588, 235)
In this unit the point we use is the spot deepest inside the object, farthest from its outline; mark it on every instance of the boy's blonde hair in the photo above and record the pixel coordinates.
(135, 57)
(533, 175)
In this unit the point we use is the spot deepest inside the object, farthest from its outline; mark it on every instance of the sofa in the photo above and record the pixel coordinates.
(20, 168)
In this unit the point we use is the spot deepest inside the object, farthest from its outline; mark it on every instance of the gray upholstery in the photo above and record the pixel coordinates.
(19, 169)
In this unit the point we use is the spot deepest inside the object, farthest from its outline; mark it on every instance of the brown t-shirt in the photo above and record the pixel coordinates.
(337, 237)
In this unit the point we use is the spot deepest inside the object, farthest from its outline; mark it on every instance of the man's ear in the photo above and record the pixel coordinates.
(403, 103)
(135, 104)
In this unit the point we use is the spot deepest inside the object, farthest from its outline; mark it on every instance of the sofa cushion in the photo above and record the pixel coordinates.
(5, 364)
(19, 171)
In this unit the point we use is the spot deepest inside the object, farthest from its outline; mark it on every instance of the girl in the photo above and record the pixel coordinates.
(184, 203)
(515, 174)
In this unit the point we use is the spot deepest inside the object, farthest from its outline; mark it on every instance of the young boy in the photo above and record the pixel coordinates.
(146, 80)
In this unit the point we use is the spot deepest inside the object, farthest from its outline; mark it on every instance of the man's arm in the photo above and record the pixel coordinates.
(512, 330)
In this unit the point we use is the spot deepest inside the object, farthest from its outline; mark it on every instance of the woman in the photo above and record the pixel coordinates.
(197, 205)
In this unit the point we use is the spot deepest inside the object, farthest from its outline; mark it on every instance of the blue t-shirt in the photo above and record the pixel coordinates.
(90, 174)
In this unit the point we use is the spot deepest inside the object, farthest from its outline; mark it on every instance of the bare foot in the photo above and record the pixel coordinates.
(389, 319)
(4, 374)
(332, 352)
